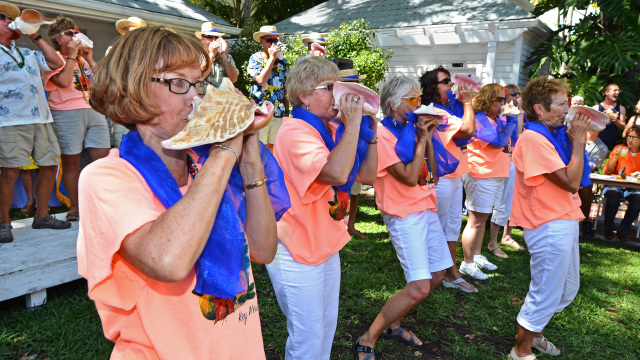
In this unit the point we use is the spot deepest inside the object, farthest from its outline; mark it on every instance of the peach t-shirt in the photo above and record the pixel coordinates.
(630, 162)
(145, 318)
(307, 229)
(536, 200)
(69, 98)
(392, 196)
(455, 123)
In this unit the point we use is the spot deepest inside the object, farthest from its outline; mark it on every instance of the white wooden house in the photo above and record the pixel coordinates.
(97, 18)
(491, 38)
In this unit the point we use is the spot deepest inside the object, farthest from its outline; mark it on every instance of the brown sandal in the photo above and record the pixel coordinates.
(498, 252)
(74, 213)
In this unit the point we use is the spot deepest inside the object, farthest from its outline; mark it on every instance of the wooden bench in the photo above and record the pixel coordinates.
(36, 260)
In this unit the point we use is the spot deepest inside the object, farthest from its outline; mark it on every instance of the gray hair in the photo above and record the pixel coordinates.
(306, 74)
(393, 89)
(512, 87)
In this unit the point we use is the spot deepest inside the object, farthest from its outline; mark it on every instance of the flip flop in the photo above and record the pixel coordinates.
(396, 334)
(512, 244)
(28, 208)
(551, 349)
(498, 252)
(514, 356)
(455, 284)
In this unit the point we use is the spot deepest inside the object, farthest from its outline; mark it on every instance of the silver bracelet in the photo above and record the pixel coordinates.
(223, 146)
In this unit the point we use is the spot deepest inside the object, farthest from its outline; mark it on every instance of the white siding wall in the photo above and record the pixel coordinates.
(531, 40)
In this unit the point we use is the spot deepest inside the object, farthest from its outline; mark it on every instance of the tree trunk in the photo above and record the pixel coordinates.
(247, 12)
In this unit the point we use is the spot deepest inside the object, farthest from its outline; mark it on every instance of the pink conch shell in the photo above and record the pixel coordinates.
(469, 79)
(371, 99)
(84, 40)
(29, 22)
(318, 49)
(510, 109)
(223, 45)
(599, 120)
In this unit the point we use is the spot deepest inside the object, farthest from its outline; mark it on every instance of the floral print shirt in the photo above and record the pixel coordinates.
(22, 97)
(274, 90)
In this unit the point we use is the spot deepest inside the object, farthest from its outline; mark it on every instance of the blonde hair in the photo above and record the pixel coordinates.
(306, 74)
(62, 24)
(487, 95)
(540, 91)
(122, 80)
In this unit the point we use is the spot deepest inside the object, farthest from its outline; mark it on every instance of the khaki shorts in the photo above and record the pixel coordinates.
(78, 129)
(18, 142)
(356, 188)
(268, 133)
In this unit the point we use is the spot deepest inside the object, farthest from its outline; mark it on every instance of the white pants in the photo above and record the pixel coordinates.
(308, 297)
(449, 194)
(502, 213)
(555, 272)
(419, 243)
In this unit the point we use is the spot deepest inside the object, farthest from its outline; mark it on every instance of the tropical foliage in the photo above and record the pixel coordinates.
(240, 12)
(603, 47)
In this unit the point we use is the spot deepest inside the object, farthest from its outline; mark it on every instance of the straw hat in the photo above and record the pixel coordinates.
(316, 38)
(351, 75)
(9, 9)
(266, 30)
(131, 22)
(208, 28)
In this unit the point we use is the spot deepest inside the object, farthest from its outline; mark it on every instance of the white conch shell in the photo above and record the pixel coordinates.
(84, 40)
(29, 22)
(427, 110)
(510, 109)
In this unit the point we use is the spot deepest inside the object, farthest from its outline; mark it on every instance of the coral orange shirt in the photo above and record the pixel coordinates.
(455, 123)
(146, 318)
(74, 97)
(487, 161)
(307, 229)
(392, 196)
(536, 200)
(631, 162)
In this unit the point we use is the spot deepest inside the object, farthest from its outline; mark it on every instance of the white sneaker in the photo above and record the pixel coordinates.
(473, 271)
(483, 263)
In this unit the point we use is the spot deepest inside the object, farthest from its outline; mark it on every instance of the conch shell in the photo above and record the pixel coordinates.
(599, 120)
(469, 79)
(371, 99)
(84, 40)
(510, 109)
(222, 114)
(29, 22)
(427, 110)
(318, 49)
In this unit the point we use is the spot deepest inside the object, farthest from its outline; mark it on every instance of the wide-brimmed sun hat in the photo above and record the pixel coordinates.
(9, 9)
(208, 28)
(351, 75)
(316, 38)
(266, 30)
(131, 22)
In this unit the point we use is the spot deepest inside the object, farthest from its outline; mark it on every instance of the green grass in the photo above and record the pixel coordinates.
(602, 323)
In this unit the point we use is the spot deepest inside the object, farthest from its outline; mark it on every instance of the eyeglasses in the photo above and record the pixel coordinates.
(329, 87)
(70, 33)
(514, 94)
(633, 137)
(210, 37)
(412, 100)
(445, 81)
(501, 99)
(5, 17)
(182, 86)
(271, 41)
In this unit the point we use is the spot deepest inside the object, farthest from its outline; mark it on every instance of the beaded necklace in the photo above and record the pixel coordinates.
(191, 166)
(20, 64)
(83, 81)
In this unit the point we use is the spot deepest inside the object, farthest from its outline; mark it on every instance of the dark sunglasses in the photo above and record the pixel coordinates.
(70, 32)
(514, 94)
(445, 81)
(5, 17)
(501, 99)
(271, 41)
(210, 37)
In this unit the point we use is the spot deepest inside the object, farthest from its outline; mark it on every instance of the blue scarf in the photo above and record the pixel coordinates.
(454, 105)
(218, 268)
(563, 145)
(406, 144)
(496, 133)
(366, 135)
(452, 112)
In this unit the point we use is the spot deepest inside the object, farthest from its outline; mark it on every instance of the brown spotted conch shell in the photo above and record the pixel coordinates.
(29, 22)
(222, 114)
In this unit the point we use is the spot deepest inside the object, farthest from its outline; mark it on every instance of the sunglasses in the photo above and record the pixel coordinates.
(412, 100)
(271, 41)
(514, 94)
(633, 137)
(501, 99)
(445, 81)
(329, 87)
(182, 86)
(210, 37)
(5, 17)
(70, 32)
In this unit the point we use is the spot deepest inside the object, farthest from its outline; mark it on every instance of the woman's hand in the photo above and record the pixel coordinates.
(579, 128)
(351, 110)
(87, 54)
(426, 126)
(466, 93)
(73, 47)
(615, 154)
(250, 157)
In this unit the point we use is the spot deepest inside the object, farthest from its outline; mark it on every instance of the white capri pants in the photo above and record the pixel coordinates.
(419, 243)
(482, 194)
(449, 194)
(502, 213)
(308, 297)
(555, 272)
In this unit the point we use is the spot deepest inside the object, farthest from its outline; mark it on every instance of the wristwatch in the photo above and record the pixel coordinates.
(373, 142)
(35, 39)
